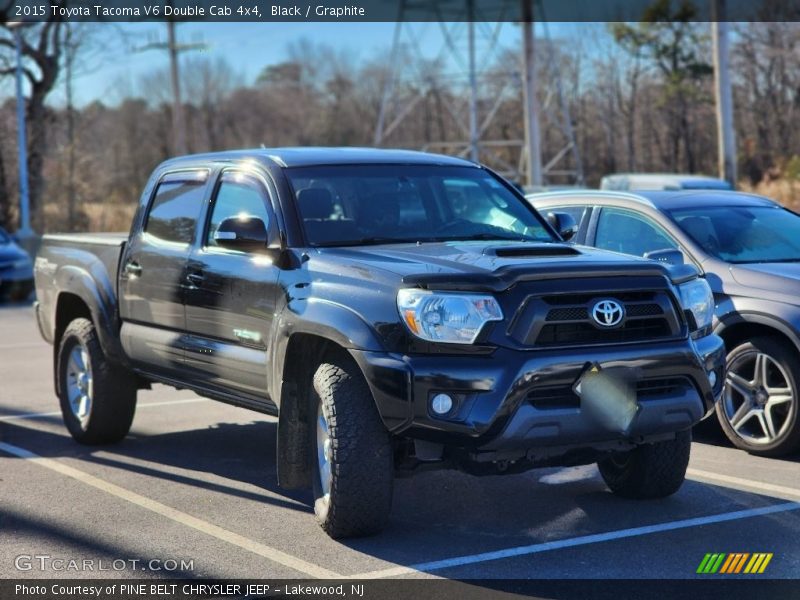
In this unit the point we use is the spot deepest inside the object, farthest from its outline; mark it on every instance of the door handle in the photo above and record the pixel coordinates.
(196, 278)
(133, 269)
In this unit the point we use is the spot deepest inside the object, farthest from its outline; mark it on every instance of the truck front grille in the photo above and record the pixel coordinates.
(586, 333)
(566, 319)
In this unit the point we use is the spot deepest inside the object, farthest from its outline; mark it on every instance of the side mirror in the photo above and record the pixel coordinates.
(242, 233)
(671, 256)
(564, 224)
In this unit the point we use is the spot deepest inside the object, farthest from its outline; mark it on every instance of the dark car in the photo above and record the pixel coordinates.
(16, 269)
(748, 248)
(396, 310)
(624, 182)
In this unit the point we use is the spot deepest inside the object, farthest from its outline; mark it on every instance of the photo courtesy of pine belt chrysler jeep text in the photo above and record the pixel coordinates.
(395, 310)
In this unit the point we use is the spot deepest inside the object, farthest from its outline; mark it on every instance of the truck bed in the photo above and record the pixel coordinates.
(68, 263)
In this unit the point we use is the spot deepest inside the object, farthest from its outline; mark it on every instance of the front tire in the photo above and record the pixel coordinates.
(650, 470)
(352, 459)
(97, 397)
(758, 410)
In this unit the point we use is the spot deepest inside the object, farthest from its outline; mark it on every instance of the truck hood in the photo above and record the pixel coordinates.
(495, 266)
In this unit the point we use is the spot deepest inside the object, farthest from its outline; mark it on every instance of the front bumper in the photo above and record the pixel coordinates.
(521, 399)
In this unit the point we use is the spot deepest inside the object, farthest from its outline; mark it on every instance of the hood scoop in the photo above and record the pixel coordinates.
(532, 251)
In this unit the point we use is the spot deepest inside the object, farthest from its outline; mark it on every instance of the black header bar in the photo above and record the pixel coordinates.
(266, 11)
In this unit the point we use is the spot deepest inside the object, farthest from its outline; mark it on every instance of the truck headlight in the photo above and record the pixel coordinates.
(697, 298)
(446, 317)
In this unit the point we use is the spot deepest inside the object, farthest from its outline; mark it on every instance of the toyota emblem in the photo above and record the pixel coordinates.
(608, 313)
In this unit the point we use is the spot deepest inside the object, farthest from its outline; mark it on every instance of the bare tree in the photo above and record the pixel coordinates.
(42, 49)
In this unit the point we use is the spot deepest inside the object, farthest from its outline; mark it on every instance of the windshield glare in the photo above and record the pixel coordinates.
(364, 204)
(738, 234)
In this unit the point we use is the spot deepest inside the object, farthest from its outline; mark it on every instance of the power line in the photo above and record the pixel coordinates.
(173, 48)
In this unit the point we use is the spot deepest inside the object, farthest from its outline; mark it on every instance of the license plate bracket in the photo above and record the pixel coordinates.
(608, 396)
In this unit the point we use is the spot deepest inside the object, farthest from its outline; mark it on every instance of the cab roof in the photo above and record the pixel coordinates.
(318, 156)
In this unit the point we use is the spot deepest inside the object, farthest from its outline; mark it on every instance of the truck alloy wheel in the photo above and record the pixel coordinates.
(324, 454)
(79, 383)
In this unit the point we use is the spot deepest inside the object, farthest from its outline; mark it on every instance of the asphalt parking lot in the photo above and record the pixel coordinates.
(195, 481)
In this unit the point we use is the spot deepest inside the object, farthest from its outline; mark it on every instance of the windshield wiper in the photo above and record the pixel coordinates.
(367, 241)
(375, 240)
(491, 236)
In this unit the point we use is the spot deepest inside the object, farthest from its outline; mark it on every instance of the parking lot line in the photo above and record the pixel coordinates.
(56, 413)
(173, 514)
(458, 561)
(739, 482)
(41, 344)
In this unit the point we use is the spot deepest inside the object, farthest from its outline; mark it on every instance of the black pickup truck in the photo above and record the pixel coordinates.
(395, 310)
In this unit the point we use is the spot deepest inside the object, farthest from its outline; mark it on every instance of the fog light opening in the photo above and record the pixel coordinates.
(441, 404)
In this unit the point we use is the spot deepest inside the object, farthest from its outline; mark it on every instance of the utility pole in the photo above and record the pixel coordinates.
(178, 122)
(25, 232)
(474, 151)
(726, 141)
(70, 50)
(533, 150)
(174, 49)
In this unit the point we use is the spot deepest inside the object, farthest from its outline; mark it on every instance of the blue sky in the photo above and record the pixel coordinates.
(248, 47)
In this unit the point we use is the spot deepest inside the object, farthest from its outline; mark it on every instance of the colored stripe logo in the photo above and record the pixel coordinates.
(734, 563)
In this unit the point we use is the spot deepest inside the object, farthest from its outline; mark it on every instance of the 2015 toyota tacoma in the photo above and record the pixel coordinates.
(394, 310)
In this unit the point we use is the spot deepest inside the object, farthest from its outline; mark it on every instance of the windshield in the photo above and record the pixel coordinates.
(739, 234)
(351, 205)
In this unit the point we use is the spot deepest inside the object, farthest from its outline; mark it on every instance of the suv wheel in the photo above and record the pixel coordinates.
(98, 398)
(759, 406)
(353, 464)
(650, 470)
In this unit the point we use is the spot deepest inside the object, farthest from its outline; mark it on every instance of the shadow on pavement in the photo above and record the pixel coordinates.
(436, 515)
(27, 527)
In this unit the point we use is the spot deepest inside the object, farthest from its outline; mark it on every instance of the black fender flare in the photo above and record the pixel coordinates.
(97, 293)
(329, 322)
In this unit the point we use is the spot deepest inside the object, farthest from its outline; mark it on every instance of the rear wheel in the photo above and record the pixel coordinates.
(98, 398)
(650, 470)
(759, 406)
(353, 465)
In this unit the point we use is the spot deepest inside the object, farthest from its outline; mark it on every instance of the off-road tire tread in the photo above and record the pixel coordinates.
(652, 471)
(362, 461)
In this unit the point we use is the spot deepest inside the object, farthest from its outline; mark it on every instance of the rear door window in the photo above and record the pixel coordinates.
(176, 207)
